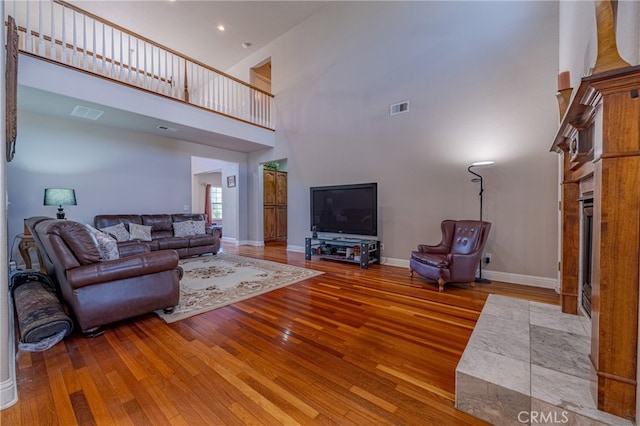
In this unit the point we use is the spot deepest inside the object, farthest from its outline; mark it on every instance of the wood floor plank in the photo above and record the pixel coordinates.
(95, 398)
(81, 409)
(162, 405)
(125, 351)
(149, 356)
(348, 347)
(63, 408)
(271, 408)
(135, 413)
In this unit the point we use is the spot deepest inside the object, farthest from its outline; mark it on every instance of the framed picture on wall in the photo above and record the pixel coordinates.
(231, 181)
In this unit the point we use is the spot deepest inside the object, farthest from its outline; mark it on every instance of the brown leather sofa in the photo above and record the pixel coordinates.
(456, 257)
(101, 292)
(162, 235)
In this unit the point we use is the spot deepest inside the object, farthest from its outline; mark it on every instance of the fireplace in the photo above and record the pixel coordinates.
(609, 102)
(586, 238)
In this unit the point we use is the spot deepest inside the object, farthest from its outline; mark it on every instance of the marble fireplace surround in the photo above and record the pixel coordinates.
(528, 363)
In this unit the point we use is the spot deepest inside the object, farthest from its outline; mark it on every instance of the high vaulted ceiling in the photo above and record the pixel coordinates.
(190, 26)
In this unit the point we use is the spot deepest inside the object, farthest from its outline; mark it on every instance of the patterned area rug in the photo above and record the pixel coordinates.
(210, 282)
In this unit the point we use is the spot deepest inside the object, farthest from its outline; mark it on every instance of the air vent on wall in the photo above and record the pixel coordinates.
(399, 108)
(86, 112)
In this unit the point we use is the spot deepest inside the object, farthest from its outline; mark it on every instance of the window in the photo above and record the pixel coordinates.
(216, 203)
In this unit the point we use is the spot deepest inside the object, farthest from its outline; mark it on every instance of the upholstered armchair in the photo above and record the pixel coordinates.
(456, 257)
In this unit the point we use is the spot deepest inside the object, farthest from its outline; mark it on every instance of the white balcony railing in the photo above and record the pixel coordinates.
(60, 32)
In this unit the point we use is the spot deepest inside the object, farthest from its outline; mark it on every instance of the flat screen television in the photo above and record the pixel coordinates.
(345, 209)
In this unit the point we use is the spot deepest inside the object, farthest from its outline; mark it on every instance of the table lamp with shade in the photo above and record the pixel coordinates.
(60, 197)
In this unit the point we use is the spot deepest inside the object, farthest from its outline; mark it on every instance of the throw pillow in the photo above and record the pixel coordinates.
(182, 229)
(188, 228)
(107, 246)
(199, 227)
(139, 232)
(119, 231)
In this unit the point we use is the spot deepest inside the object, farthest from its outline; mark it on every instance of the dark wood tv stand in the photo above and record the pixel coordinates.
(343, 249)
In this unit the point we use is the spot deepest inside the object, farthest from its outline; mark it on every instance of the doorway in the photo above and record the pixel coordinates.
(261, 75)
(216, 173)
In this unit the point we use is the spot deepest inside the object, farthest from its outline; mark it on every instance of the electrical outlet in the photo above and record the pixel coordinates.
(381, 246)
(186, 207)
(487, 258)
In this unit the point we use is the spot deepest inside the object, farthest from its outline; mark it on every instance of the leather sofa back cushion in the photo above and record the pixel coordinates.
(181, 217)
(161, 234)
(158, 222)
(80, 241)
(104, 220)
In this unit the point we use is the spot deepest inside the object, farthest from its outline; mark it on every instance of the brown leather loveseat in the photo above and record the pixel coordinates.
(100, 291)
(162, 232)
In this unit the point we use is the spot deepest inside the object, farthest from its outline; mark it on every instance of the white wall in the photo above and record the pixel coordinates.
(481, 79)
(578, 38)
(112, 170)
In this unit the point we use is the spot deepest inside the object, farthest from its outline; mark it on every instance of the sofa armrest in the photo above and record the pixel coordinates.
(123, 268)
(439, 249)
(214, 230)
(130, 248)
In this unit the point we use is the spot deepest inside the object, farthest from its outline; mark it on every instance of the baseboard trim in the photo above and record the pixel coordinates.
(507, 277)
(295, 249)
(8, 391)
(530, 280)
(401, 263)
(236, 242)
(9, 388)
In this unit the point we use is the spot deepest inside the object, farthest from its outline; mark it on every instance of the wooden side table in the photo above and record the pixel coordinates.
(27, 242)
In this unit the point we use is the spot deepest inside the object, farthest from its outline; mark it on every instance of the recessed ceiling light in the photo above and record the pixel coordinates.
(246, 45)
(220, 27)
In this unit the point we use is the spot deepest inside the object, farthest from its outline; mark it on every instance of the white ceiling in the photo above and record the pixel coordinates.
(190, 26)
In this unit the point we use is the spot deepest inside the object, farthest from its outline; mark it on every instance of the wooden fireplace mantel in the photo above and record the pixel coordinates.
(605, 109)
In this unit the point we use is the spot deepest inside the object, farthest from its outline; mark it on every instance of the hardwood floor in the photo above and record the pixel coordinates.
(350, 346)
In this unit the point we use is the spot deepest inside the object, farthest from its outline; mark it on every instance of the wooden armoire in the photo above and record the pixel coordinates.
(275, 205)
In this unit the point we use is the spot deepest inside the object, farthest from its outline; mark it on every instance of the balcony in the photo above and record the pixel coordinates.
(63, 49)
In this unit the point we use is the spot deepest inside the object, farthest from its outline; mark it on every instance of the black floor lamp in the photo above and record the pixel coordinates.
(479, 278)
